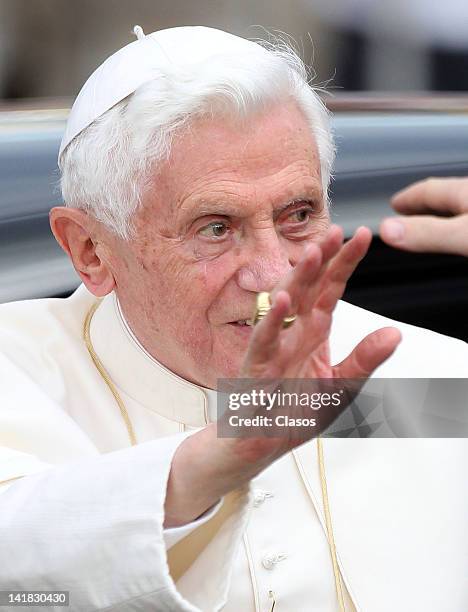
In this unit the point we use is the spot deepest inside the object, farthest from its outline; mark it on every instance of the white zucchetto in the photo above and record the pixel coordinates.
(143, 60)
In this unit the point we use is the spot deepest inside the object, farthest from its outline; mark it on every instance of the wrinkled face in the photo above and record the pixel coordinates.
(226, 217)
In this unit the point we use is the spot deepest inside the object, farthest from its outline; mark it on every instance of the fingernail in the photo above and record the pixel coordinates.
(361, 227)
(393, 230)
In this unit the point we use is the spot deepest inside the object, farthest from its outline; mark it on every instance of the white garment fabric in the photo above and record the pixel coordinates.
(88, 515)
(175, 534)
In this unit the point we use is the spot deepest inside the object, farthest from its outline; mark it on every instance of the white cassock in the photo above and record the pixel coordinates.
(87, 516)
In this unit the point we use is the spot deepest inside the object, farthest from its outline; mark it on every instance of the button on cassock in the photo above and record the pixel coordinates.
(269, 561)
(260, 495)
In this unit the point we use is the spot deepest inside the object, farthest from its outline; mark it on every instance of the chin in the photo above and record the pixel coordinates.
(227, 368)
(227, 358)
(233, 368)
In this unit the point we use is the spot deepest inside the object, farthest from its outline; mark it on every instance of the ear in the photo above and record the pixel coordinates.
(72, 229)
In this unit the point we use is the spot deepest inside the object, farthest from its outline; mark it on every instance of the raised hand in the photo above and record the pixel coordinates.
(311, 291)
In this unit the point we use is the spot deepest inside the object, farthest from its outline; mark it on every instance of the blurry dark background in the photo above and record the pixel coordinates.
(396, 70)
(49, 47)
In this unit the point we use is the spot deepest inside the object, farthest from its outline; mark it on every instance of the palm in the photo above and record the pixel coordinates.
(296, 358)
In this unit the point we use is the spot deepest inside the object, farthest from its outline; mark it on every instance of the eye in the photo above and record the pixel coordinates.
(301, 215)
(215, 229)
(297, 223)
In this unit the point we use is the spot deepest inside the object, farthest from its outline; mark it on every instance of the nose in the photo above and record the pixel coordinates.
(265, 263)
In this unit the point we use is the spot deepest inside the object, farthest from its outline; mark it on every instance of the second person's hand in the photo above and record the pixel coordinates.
(434, 217)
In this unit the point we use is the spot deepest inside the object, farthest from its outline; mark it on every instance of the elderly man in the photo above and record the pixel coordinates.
(195, 166)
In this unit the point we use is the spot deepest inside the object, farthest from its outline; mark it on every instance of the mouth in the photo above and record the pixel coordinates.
(242, 323)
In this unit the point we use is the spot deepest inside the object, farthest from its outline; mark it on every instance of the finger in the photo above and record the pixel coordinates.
(371, 352)
(341, 268)
(330, 248)
(308, 271)
(427, 234)
(266, 335)
(331, 243)
(440, 195)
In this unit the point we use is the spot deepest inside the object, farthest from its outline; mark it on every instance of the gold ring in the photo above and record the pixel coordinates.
(262, 307)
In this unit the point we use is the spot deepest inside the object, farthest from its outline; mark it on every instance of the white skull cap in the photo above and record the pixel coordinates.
(143, 60)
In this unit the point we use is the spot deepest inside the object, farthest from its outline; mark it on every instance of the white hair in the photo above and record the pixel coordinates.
(106, 168)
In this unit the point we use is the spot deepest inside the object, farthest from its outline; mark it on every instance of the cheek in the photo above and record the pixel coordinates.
(186, 291)
(197, 294)
(211, 276)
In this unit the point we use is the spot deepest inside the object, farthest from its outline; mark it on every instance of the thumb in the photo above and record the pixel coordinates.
(425, 233)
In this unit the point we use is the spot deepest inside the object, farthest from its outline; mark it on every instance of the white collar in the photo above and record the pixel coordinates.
(137, 373)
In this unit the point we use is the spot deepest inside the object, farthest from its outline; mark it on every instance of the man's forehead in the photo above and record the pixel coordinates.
(219, 187)
(217, 155)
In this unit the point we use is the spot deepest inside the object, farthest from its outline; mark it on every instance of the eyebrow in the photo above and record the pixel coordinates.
(228, 209)
(315, 202)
